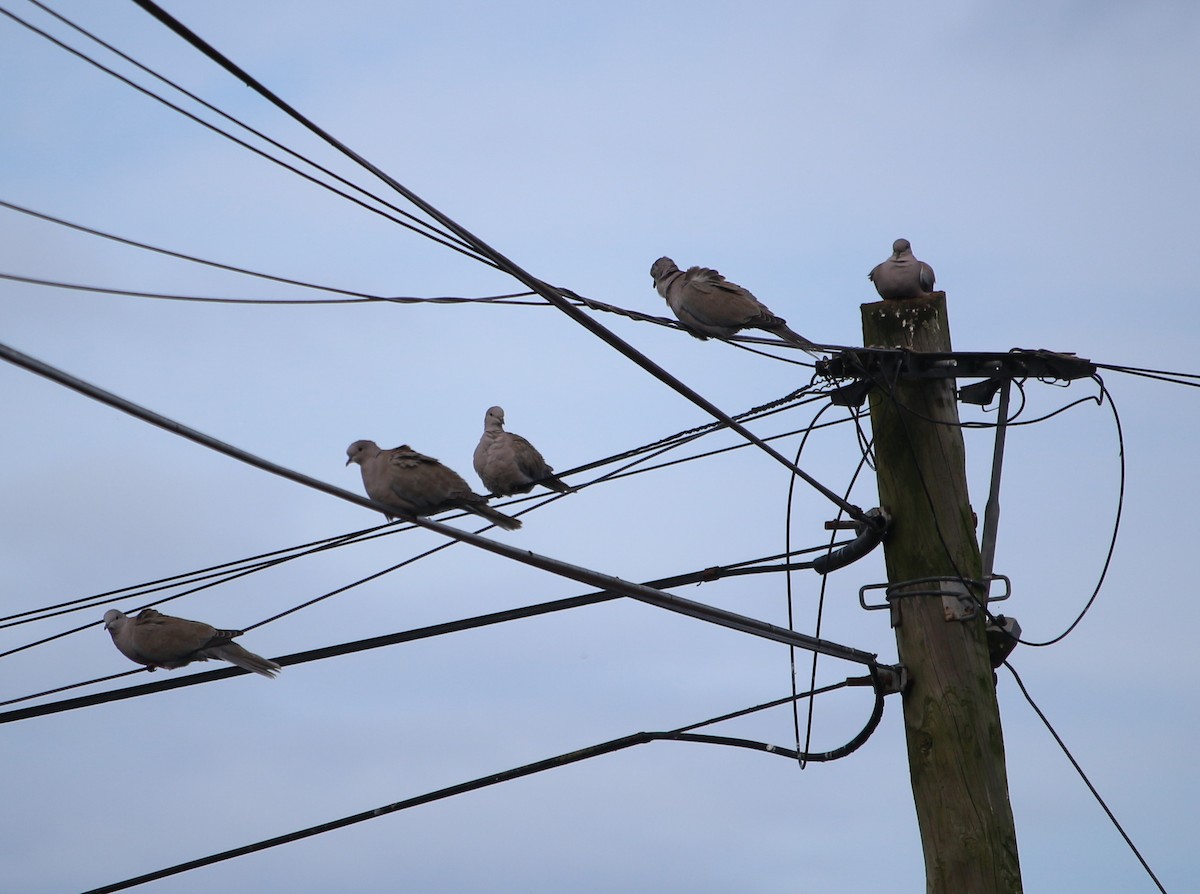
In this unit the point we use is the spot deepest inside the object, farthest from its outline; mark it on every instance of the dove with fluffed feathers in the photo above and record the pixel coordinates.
(157, 640)
(418, 485)
(508, 464)
(902, 277)
(709, 305)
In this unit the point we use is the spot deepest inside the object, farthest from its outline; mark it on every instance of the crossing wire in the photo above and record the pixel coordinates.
(680, 734)
(503, 263)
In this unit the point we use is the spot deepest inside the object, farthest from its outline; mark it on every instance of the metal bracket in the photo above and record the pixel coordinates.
(958, 602)
(888, 679)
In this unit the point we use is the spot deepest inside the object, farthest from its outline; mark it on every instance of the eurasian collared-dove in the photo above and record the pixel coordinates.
(418, 485)
(707, 304)
(158, 640)
(902, 276)
(508, 464)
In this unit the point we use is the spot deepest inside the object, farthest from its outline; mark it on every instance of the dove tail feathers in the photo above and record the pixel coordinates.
(555, 483)
(796, 339)
(235, 654)
(507, 522)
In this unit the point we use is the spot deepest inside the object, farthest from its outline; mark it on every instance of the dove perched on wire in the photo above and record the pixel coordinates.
(707, 304)
(508, 464)
(158, 640)
(902, 276)
(416, 484)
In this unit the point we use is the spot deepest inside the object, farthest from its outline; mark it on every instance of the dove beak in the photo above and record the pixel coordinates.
(348, 461)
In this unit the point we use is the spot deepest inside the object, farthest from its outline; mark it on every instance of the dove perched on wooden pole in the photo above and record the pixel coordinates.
(902, 276)
(509, 464)
(417, 485)
(158, 640)
(707, 304)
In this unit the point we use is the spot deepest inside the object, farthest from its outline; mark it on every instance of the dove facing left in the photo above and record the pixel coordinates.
(416, 485)
(707, 304)
(157, 640)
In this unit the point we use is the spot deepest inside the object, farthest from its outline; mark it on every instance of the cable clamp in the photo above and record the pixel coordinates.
(959, 601)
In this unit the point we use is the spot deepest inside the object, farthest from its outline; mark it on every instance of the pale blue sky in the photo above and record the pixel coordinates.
(1042, 157)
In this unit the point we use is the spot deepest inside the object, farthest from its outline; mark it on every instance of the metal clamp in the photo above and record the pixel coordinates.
(958, 600)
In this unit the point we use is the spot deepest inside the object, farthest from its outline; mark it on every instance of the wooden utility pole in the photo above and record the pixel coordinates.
(951, 718)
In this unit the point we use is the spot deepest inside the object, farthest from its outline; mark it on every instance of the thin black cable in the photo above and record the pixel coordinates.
(93, 602)
(703, 576)
(133, 243)
(967, 584)
(78, 287)
(1078, 769)
(821, 609)
(1112, 543)
(175, 579)
(613, 745)
(707, 613)
(236, 575)
(442, 240)
(787, 545)
(1159, 374)
(500, 261)
(192, 96)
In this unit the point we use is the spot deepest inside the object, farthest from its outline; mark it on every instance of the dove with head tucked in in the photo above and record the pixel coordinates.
(707, 304)
(158, 640)
(418, 485)
(509, 464)
(902, 276)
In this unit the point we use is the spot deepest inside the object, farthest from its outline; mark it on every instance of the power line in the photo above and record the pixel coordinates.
(489, 299)
(270, 560)
(501, 262)
(710, 614)
(180, 255)
(1177, 378)
(705, 575)
(232, 119)
(443, 239)
(681, 734)
(1112, 543)
(1078, 769)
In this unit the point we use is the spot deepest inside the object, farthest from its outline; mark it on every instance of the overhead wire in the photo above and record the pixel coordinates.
(649, 595)
(1192, 380)
(663, 445)
(700, 576)
(446, 239)
(646, 452)
(551, 294)
(680, 734)
(863, 461)
(233, 120)
(1112, 543)
(1078, 769)
(202, 299)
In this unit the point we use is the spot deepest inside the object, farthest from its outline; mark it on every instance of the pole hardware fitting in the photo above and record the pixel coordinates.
(886, 679)
(1019, 363)
(852, 395)
(870, 533)
(958, 601)
(1003, 634)
(980, 393)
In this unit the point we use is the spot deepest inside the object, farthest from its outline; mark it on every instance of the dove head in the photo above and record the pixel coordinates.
(113, 618)
(494, 418)
(361, 451)
(900, 246)
(662, 267)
